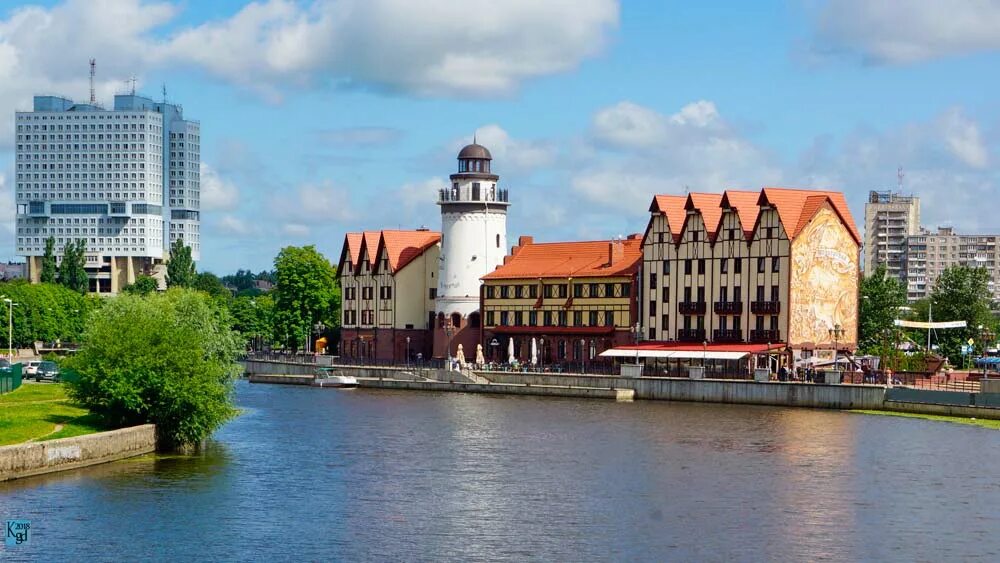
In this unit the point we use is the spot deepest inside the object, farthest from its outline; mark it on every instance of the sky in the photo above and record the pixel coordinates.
(328, 116)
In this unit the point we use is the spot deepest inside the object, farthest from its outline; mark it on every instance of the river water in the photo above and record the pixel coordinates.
(320, 474)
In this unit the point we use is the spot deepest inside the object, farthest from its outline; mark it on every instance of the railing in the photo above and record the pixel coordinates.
(719, 335)
(691, 307)
(765, 307)
(765, 335)
(465, 196)
(10, 378)
(691, 334)
(728, 307)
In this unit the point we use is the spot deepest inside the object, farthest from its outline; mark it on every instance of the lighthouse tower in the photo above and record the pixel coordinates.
(473, 243)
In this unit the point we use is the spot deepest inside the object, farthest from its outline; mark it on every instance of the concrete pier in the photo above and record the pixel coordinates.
(500, 388)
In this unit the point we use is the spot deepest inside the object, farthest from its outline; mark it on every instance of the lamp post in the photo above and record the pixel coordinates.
(494, 344)
(583, 354)
(541, 354)
(704, 354)
(836, 333)
(407, 351)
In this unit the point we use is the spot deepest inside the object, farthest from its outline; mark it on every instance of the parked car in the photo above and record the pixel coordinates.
(32, 367)
(5, 366)
(47, 371)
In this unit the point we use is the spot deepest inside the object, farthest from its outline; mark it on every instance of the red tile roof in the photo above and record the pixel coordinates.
(672, 206)
(708, 206)
(745, 204)
(352, 249)
(569, 259)
(403, 247)
(797, 207)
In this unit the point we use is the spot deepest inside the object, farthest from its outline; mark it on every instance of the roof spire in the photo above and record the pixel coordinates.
(474, 138)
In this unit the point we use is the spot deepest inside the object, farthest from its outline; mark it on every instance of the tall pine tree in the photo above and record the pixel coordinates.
(180, 268)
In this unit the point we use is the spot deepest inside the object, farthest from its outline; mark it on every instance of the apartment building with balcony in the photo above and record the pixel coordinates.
(778, 267)
(388, 290)
(930, 253)
(890, 219)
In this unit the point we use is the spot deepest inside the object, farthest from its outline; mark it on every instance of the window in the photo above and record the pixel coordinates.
(519, 318)
(563, 291)
(664, 321)
(774, 293)
(769, 232)
(652, 280)
(687, 294)
(737, 266)
(547, 291)
(659, 237)
(760, 293)
(694, 236)
(723, 294)
(666, 267)
(577, 290)
(533, 291)
(547, 318)
(489, 318)
(701, 295)
(737, 294)
(760, 265)
(722, 323)
(577, 318)
(760, 322)
(737, 322)
(701, 266)
(498, 240)
(504, 318)
(687, 266)
(724, 265)
(775, 264)
(432, 293)
(593, 321)
(774, 322)
(563, 317)
(532, 318)
(456, 320)
(652, 308)
(504, 291)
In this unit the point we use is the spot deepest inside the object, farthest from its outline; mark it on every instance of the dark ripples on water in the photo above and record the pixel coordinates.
(309, 474)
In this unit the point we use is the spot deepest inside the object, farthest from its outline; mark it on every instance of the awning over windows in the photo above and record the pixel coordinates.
(691, 351)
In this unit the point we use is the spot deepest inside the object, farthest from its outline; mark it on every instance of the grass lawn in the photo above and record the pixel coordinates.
(983, 422)
(34, 410)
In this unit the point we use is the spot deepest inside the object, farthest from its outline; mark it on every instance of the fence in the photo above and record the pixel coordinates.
(10, 380)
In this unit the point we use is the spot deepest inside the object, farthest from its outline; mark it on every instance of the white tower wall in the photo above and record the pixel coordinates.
(473, 244)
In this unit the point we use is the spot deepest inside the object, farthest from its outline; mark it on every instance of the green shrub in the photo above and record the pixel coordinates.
(167, 358)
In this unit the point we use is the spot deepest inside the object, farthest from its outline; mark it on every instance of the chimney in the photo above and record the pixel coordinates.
(524, 240)
(616, 252)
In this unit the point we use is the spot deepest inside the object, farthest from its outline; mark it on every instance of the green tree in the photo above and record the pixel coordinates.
(48, 274)
(144, 285)
(212, 285)
(253, 317)
(45, 312)
(961, 294)
(72, 270)
(881, 298)
(180, 268)
(306, 292)
(168, 358)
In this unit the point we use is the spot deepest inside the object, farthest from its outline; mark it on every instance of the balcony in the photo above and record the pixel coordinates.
(691, 335)
(765, 307)
(728, 307)
(761, 335)
(691, 307)
(727, 335)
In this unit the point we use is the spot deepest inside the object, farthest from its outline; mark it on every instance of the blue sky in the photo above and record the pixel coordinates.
(326, 116)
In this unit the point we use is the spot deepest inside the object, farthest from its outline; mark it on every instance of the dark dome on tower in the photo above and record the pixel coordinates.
(475, 150)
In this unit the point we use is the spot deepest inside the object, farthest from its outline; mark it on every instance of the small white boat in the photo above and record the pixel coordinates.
(325, 377)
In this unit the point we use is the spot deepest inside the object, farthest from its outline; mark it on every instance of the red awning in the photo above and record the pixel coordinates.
(697, 347)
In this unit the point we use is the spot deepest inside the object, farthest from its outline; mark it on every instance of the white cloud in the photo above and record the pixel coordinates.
(519, 155)
(217, 193)
(313, 203)
(295, 230)
(359, 136)
(232, 225)
(914, 31)
(6, 205)
(963, 139)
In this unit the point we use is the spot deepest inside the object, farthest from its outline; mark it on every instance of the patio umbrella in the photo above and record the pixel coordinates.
(510, 351)
(534, 351)
(460, 355)
(480, 359)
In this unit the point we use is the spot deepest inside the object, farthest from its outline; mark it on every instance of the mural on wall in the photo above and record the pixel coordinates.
(824, 284)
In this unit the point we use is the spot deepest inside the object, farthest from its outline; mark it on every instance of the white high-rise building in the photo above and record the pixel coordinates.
(473, 243)
(125, 180)
(889, 219)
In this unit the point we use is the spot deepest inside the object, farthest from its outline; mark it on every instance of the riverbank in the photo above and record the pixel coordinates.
(981, 422)
(43, 411)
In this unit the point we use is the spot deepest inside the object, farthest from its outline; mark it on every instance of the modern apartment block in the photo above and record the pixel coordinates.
(889, 219)
(125, 180)
(777, 268)
(930, 253)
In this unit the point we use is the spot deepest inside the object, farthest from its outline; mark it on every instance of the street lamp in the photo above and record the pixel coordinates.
(541, 360)
(583, 354)
(407, 351)
(836, 333)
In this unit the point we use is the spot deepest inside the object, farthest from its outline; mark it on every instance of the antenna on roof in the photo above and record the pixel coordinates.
(164, 92)
(899, 177)
(474, 142)
(131, 81)
(93, 69)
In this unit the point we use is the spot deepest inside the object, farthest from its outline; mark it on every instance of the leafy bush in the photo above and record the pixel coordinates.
(167, 358)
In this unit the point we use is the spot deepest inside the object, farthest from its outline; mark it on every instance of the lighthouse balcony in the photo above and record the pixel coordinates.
(472, 195)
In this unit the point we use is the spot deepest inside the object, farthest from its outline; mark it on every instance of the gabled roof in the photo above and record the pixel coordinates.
(368, 249)
(708, 206)
(402, 247)
(570, 259)
(351, 251)
(745, 205)
(797, 207)
(671, 206)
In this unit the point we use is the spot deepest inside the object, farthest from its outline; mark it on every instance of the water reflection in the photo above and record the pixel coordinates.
(323, 474)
